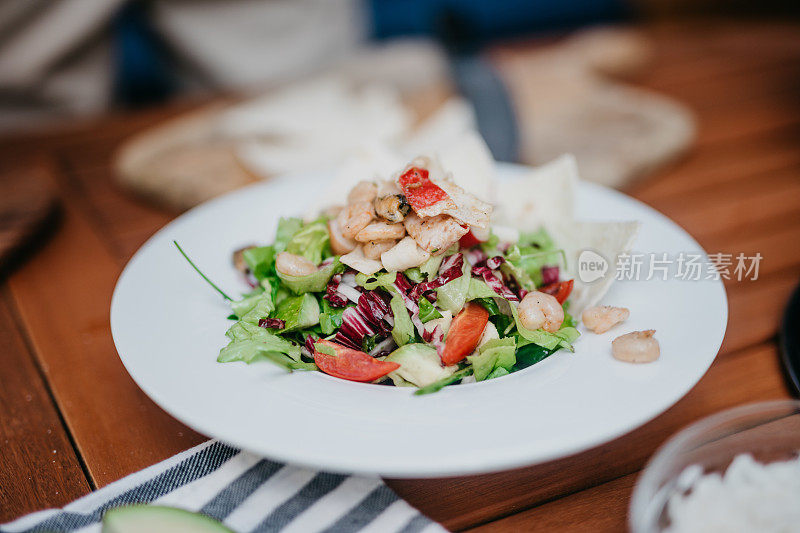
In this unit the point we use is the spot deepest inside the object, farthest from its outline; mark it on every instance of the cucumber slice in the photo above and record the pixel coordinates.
(419, 364)
(158, 519)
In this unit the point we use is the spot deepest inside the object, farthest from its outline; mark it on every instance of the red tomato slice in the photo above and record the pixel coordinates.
(351, 364)
(465, 332)
(560, 289)
(469, 240)
(419, 190)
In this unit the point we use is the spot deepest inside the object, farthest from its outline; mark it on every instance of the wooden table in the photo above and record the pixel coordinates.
(71, 420)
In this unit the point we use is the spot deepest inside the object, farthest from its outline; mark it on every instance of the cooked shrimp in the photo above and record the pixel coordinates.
(294, 265)
(539, 310)
(434, 234)
(238, 260)
(364, 191)
(354, 218)
(636, 347)
(393, 208)
(374, 249)
(381, 231)
(602, 318)
(340, 244)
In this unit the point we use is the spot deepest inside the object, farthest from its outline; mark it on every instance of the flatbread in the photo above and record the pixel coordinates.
(599, 242)
(540, 197)
(545, 197)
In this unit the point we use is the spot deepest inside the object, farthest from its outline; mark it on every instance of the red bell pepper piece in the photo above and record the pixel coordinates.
(560, 289)
(465, 333)
(419, 190)
(351, 364)
(468, 240)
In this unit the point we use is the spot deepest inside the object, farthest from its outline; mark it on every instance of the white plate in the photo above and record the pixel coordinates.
(168, 326)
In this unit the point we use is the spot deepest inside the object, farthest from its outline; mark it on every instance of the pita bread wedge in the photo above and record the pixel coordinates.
(600, 243)
(469, 162)
(545, 197)
(538, 198)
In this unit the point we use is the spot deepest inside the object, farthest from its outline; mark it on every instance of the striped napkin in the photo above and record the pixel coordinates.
(245, 492)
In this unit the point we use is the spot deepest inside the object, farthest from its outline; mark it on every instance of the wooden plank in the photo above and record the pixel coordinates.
(605, 507)
(747, 376)
(39, 466)
(756, 309)
(597, 509)
(63, 296)
(741, 205)
(714, 167)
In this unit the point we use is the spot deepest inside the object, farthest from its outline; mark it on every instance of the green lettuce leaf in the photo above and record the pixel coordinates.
(287, 227)
(315, 282)
(439, 385)
(530, 354)
(498, 372)
(298, 312)
(310, 242)
(430, 268)
(254, 307)
(427, 311)
(415, 275)
(384, 281)
(248, 340)
(525, 260)
(403, 329)
(563, 338)
(453, 295)
(497, 353)
(260, 261)
(330, 320)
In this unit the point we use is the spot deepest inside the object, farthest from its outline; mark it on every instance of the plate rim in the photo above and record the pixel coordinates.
(502, 462)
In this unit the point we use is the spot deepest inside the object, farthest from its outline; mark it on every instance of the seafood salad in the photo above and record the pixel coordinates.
(415, 281)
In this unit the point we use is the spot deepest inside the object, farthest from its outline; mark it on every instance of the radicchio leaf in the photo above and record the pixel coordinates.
(497, 286)
(271, 323)
(452, 268)
(550, 274)
(495, 262)
(332, 292)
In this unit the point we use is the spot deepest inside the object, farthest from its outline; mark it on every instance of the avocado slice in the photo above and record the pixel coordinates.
(158, 519)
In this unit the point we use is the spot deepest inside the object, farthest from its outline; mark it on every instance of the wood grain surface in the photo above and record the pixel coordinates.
(63, 388)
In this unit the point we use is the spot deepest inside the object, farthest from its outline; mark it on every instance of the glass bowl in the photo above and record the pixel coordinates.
(768, 431)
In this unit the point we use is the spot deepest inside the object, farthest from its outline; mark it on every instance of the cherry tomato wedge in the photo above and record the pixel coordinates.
(351, 364)
(419, 190)
(560, 289)
(468, 240)
(465, 332)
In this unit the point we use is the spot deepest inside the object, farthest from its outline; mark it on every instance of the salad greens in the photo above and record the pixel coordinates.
(341, 321)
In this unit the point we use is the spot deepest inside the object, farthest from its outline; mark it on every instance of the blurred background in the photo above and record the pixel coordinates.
(299, 85)
(117, 115)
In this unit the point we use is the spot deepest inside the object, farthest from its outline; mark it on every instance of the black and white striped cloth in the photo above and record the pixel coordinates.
(245, 492)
